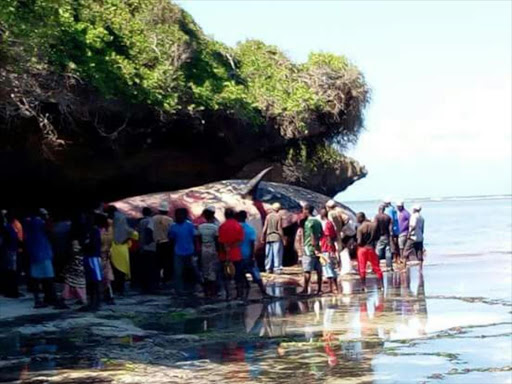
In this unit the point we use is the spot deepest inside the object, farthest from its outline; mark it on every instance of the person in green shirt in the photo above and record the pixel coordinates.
(310, 261)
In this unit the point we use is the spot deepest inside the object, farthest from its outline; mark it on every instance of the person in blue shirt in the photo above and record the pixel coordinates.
(391, 211)
(247, 247)
(182, 237)
(40, 253)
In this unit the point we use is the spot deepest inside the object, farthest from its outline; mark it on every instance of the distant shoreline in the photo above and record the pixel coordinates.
(441, 199)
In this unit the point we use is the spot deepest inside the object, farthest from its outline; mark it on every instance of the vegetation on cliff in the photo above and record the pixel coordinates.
(151, 54)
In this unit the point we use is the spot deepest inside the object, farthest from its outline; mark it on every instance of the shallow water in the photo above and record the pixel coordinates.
(450, 324)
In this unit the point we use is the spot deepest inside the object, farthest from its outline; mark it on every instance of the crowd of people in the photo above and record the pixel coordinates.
(183, 253)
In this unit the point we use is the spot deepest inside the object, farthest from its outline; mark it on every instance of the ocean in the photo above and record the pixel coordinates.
(459, 226)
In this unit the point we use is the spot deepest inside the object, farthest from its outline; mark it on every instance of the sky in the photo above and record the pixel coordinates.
(440, 119)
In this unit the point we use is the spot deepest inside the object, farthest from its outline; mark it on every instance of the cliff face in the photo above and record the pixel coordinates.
(101, 100)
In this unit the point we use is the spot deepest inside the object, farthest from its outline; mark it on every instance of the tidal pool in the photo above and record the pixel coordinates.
(449, 324)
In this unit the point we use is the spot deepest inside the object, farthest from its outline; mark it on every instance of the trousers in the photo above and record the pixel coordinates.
(365, 255)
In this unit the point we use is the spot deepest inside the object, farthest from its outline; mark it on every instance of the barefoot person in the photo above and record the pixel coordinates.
(366, 234)
(403, 226)
(384, 225)
(231, 236)
(310, 260)
(248, 246)
(328, 248)
(272, 236)
(414, 244)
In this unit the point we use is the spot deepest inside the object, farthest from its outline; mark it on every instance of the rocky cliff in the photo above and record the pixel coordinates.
(106, 99)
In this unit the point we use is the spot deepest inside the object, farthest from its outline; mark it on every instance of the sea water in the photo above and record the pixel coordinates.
(459, 226)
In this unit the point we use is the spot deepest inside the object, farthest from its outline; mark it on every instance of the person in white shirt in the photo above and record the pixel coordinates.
(414, 244)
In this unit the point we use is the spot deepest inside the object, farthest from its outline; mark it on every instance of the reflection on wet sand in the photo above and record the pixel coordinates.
(377, 337)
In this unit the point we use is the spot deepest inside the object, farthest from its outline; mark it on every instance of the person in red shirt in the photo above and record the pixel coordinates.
(231, 235)
(328, 248)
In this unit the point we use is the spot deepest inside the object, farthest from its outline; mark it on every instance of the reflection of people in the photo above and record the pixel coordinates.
(365, 251)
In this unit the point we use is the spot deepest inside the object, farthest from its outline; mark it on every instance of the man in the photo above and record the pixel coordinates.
(162, 222)
(248, 255)
(147, 242)
(343, 225)
(231, 236)
(403, 226)
(328, 248)
(384, 228)
(272, 236)
(181, 235)
(414, 244)
(310, 261)
(366, 233)
(395, 231)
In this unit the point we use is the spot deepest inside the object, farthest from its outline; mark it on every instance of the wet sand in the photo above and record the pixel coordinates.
(450, 324)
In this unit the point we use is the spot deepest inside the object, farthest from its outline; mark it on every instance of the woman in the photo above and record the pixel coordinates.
(107, 236)
(41, 256)
(92, 263)
(208, 233)
(120, 252)
(74, 274)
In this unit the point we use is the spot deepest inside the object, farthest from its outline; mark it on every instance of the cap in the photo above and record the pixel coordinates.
(164, 206)
(416, 207)
(276, 206)
(400, 203)
(210, 208)
(330, 204)
(387, 200)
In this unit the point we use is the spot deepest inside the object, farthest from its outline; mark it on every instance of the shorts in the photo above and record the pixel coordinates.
(402, 240)
(310, 263)
(413, 247)
(328, 269)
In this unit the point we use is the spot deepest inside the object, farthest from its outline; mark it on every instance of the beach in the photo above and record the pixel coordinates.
(452, 323)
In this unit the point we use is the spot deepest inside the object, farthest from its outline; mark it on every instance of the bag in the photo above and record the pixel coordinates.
(229, 269)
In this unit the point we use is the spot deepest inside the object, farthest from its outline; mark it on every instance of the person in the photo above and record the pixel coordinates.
(120, 254)
(310, 261)
(366, 234)
(384, 228)
(342, 221)
(92, 262)
(395, 229)
(299, 240)
(328, 247)
(148, 261)
(414, 244)
(9, 245)
(231, 236)
(208, 236)
(206, 212)
(248, 247)
(348, 246)
(181, 235)
(403, 226)
(162, 223)
(107, 238)
(40, 253)
(74, 272)
(272, 236)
